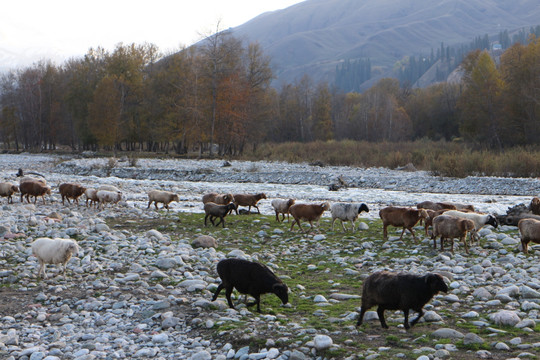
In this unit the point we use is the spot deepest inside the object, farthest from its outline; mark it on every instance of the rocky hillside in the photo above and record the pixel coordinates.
(315, 35)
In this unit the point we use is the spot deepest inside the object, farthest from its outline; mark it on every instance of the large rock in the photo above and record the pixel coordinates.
(446, 333)
(322, 342)
(505, 317)
(204, 241)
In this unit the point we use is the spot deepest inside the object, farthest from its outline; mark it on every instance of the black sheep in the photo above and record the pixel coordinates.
(399, 291)
(214, 211)
(250, 278)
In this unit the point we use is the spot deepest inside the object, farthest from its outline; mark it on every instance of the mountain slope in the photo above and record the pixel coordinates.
(315, 35)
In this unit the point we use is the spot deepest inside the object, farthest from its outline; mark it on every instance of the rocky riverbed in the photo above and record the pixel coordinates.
(141, 285)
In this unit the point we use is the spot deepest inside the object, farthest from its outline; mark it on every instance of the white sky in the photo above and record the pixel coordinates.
(31, 30)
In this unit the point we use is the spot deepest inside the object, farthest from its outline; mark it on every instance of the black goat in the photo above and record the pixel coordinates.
(399, 291)
(250, 278)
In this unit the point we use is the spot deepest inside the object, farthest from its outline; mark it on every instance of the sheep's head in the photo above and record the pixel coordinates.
(436, 283)
(282, 292)
(175, 198)
(290, 202)
(73, 248)
(492, 221)
(228, 198)
(363, 207)
(325, 206)
(14, 188)
(467, 225)
(423, 214)
(263, 195)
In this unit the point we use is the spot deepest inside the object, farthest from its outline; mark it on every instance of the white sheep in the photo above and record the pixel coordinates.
(106, 196)
(32, 179)
(282, 207)
(165, 197)
(53, 251)
(479, 220)
(7, 189)
(347, 212)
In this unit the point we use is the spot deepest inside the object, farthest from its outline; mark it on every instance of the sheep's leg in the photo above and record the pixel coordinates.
(361, 316)
(464, 239)
(42, 269)
(292, 225)
(343, 226)
(420, 314)
(452, 245)
(524, 244)
(228, 292)
(380, 312)
(352, 227)
(218, 290)
(205, 218)
(333, 221)
(442, 243)
(402, 232)
(258, 211)
(149, 203)
(412, 232)
(257, 302)
(277, 216)
(385, 231)
(406, 320)
(155, 204)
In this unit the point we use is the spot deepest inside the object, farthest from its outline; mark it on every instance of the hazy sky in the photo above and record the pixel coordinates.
(58, 29)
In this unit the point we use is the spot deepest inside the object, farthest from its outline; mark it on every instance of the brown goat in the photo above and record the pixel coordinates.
(401, 217)
(529, 229)
(71, 190)
(35, 189)
(248, 200)
(307, 212)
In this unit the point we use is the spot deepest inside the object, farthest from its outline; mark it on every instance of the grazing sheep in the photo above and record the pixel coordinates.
(164, 197)
(461, 207)
(449, 227)
(401, 217)
(32, 179)
(7, 189)
(248, 200)
(35, 189)
(529, 230)
(282, 207)
(249, 278)
(106, 196)
(347, 212)
(399, 291)
(70, 190)
(53, 251)
(214, 211)
(480, 220)
(436, 206)
(220, 199)
(91, 194)
(307, 212)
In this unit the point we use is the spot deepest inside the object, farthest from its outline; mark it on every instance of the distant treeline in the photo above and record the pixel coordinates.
(135, 99)
(352, 73)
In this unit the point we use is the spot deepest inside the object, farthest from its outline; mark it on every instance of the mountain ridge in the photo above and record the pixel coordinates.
(315, 35)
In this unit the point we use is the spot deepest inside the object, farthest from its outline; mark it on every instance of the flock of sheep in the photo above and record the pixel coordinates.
(390, 291)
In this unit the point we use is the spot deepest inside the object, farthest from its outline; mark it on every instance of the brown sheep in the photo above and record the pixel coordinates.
(248, 200)
(220, 199)
(307, 212)
(449, 227)
(529, 230)
(7, 189)
(71, 190)
(401, 217)
(35, 189)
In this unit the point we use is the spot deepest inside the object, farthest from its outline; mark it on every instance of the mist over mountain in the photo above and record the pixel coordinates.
(315, 36)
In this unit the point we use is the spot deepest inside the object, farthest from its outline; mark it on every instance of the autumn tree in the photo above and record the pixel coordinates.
(480, 101)
(322, 113)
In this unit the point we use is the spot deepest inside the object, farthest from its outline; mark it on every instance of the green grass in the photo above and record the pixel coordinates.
(293, 253)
